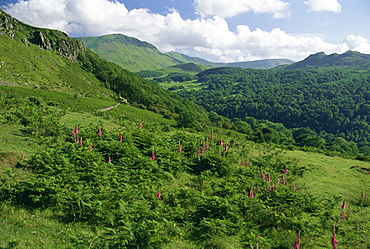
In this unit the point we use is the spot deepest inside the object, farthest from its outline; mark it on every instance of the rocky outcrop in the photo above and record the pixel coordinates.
(47, 39)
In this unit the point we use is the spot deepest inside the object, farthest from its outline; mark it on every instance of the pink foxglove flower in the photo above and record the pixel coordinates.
(140, 125)
(343, 215)
(286, 170)
(179, 149)
(212, 136)
(153, 155)
(158, 194)
(109, 160)
(297, 243)
(120, 137)
(363, 194)
(344, 204)
(226, 147)
(76, 129)
(242, 163)
(294, 188)
(261, 174)
(91, 147)
(220, 142)
(268, 178)
(283, 179)
(100, 133)
(334, 241)
(251, 193)
(80, 142)
(198, 150)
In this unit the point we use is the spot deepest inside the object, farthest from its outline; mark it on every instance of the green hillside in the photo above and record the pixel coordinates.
(48, 59)
(130, 53)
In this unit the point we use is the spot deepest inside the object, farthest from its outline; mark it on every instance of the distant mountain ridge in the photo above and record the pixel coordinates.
(347, 59)
(135, 55)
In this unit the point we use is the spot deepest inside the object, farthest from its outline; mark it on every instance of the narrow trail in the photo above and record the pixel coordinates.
(108, 108)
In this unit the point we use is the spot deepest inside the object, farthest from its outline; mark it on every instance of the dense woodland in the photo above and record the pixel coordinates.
(330, 103)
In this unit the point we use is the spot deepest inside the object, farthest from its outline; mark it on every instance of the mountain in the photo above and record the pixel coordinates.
(47, 59)
(128, 52)
(347, 59)
(260, 64)
(257, 64)
(136, 55)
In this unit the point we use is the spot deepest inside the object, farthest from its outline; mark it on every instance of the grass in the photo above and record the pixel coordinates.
(328, 176)
(12, 139)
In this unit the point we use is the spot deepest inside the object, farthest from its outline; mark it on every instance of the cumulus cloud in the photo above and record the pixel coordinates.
(206, 37)
(231, 8)
(357, 43)
(324, 5)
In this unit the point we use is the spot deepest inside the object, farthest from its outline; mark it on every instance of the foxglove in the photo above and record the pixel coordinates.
(153, 155)
(120, 137)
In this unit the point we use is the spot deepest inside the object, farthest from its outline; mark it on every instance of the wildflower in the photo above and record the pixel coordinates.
(261, 174)
(212, 136)
(140, 125)
(120, 137)
(153, 155)
(109, 160)
(242, 163)
(286, 170)
(198, 150)
(246, 164)
(226, 147)
(179, 149)
(220, 142)
(76, 130)
(344, 204)
(334, 241)
(282, 179)
(294, 188)
(297, 243)
(343, 215)
(80, 142)
(268, 178)
(100, 133)
(158, 194)
(91, 147)
(363, 194)
(251, 193)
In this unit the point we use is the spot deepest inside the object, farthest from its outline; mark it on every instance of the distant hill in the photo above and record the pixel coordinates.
(128, 52)
(348, 59)
(135, 55)
(257, 64)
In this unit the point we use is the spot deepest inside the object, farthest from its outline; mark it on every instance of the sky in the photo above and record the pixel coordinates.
(215, 30)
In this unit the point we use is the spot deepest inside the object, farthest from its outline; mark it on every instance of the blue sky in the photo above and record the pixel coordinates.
(216, 30)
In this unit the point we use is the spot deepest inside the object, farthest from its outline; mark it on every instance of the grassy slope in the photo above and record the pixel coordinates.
(127, 52)
(37, 68)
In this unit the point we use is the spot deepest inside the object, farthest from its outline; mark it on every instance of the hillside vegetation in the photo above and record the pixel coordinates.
(130, 185)
(82, 167)
(331, 104)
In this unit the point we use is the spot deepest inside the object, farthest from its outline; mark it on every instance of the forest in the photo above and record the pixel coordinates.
(328, 103)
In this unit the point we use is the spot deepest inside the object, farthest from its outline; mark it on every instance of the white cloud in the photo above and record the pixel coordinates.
(208, 38)
(357, 43)
(231, 8)
(324, 5)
